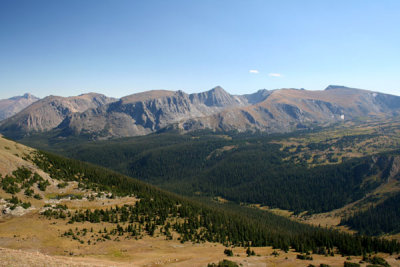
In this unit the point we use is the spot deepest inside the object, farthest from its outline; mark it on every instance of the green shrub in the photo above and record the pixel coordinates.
(351, 264)
(304, 257)
(376, 261)
(228, 252)
(26, 205)
(14, 200)
(62, 185)
(43, 184)
(224, 263)
(37, 196)
(28, 192)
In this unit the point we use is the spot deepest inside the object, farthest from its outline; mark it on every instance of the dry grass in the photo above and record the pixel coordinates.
(169, 253)
(11, 154)
(36, 241)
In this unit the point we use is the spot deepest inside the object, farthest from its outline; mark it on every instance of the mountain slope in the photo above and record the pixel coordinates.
(147, 112)
(13, 105)
(49, 112)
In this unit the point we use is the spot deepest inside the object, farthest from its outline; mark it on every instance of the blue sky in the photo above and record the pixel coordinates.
(122, 47)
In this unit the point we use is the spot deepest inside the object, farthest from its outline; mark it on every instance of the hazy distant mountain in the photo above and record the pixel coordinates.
(280, 110)
(49, 112)
(13, 105)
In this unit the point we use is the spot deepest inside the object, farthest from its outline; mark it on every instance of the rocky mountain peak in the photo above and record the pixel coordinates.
(28, 95)
(13, 105)
(217, 97)
(218, 89)
(25, 96)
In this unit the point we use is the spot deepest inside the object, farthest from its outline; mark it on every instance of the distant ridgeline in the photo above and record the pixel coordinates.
(192, 221)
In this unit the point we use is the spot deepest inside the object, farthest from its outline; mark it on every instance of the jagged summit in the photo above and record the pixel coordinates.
(217, 97)
(217, 88)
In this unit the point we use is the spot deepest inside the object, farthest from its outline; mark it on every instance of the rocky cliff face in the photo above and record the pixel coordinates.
(147, 112)
(13, 105)
(49, 112)
(273, 111)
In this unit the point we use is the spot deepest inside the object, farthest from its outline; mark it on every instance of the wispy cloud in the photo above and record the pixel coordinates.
(254, 71)
(275, 75)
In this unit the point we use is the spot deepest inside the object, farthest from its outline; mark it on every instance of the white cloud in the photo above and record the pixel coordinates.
(254, 71)
(275, 75)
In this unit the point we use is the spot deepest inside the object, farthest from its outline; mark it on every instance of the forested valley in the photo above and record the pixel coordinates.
(246, 168)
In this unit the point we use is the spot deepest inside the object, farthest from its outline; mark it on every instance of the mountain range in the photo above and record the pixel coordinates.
(272, 111)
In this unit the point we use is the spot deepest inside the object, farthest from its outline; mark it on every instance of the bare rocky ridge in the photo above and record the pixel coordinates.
(147, 112)
(13, 105)
(286, 110)
(271, 111)
(49, 112)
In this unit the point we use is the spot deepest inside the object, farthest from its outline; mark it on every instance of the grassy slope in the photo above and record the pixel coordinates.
(34, 231)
